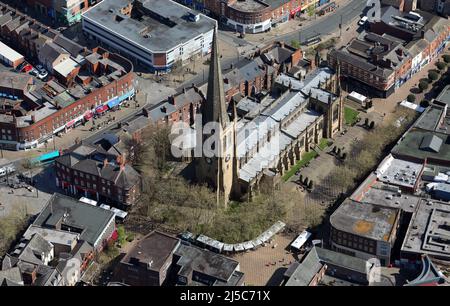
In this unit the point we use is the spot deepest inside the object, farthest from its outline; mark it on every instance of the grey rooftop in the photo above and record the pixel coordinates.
(164, 26)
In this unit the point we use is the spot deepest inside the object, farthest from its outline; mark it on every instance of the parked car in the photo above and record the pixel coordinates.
(43, 74)
(34, 72)
(40, 67)
(27, 68)
(363, 21)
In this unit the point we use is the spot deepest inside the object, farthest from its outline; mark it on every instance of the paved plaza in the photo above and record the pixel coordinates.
(266, 265)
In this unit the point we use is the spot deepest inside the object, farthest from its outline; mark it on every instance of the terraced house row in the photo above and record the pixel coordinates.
(83, 83)
(394, 48)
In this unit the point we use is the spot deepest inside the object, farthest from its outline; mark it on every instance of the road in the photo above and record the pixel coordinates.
(329, 25)
(325, 26)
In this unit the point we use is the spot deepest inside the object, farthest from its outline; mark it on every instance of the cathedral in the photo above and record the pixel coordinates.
(245, 154)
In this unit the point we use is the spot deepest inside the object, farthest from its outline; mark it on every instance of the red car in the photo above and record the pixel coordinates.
(27, 68)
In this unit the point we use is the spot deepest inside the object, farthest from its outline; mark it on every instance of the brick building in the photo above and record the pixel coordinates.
(255, 16)
(99, 172)
(84, 83)
(160, 259)
(102, 82)
(399, 45)
(364, 230)
(64, 11)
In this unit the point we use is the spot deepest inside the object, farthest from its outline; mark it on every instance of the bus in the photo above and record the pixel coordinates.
(88, 201)
(46, 158)
(119, 214)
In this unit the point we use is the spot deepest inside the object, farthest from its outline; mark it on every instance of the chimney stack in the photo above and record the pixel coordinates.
(172, 99)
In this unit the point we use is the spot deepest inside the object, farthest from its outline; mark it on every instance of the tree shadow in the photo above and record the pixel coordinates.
(415, 90)
(188, 173)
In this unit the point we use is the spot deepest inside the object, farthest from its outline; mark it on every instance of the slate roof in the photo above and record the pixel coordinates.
(89, 158)
(11, 277)
(51, 51)
(305, 272)
(431, 143)
(72, 47)
(91, 220)
(341, 260)
(214, 109)
(34, 248)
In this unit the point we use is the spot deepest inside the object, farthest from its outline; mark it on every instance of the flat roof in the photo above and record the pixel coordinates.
(154, 248)
(206, 262)
(92, 220)
(411, 143)
(14, 80)
(429, 230)
(430, 119)
(365, 219)
(375, 192)
(249, 5)
(9, 53)
(66, 67)
(165, 22)
(444, 96)
(399, 172)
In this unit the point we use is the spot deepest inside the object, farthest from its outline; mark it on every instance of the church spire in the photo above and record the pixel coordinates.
(215, 107)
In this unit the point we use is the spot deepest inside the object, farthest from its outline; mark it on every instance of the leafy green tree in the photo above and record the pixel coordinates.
(446, 58)
(441, 65)
(433, 75)
(295, 44)
(311, 10)
(423, 85)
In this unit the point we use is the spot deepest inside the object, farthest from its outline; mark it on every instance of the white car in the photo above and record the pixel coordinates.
(43, 74)
(363, 21)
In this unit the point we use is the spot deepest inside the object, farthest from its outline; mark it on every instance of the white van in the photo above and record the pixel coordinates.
(363, 21)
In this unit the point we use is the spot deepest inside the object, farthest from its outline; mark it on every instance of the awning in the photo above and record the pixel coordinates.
(296, 10)
(88, 115)
(70, 123)
(100, 109)
(127, 95)
(59, 129)
(114, 102)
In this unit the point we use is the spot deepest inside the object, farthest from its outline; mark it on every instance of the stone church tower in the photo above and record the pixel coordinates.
(217, 165)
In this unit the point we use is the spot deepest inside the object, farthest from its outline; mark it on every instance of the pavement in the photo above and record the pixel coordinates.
(266, 265)
(325, 25)
(31, 201)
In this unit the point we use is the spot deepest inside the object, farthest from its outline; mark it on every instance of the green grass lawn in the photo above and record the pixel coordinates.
(350, 115)
(324, 143)
(307, 157)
